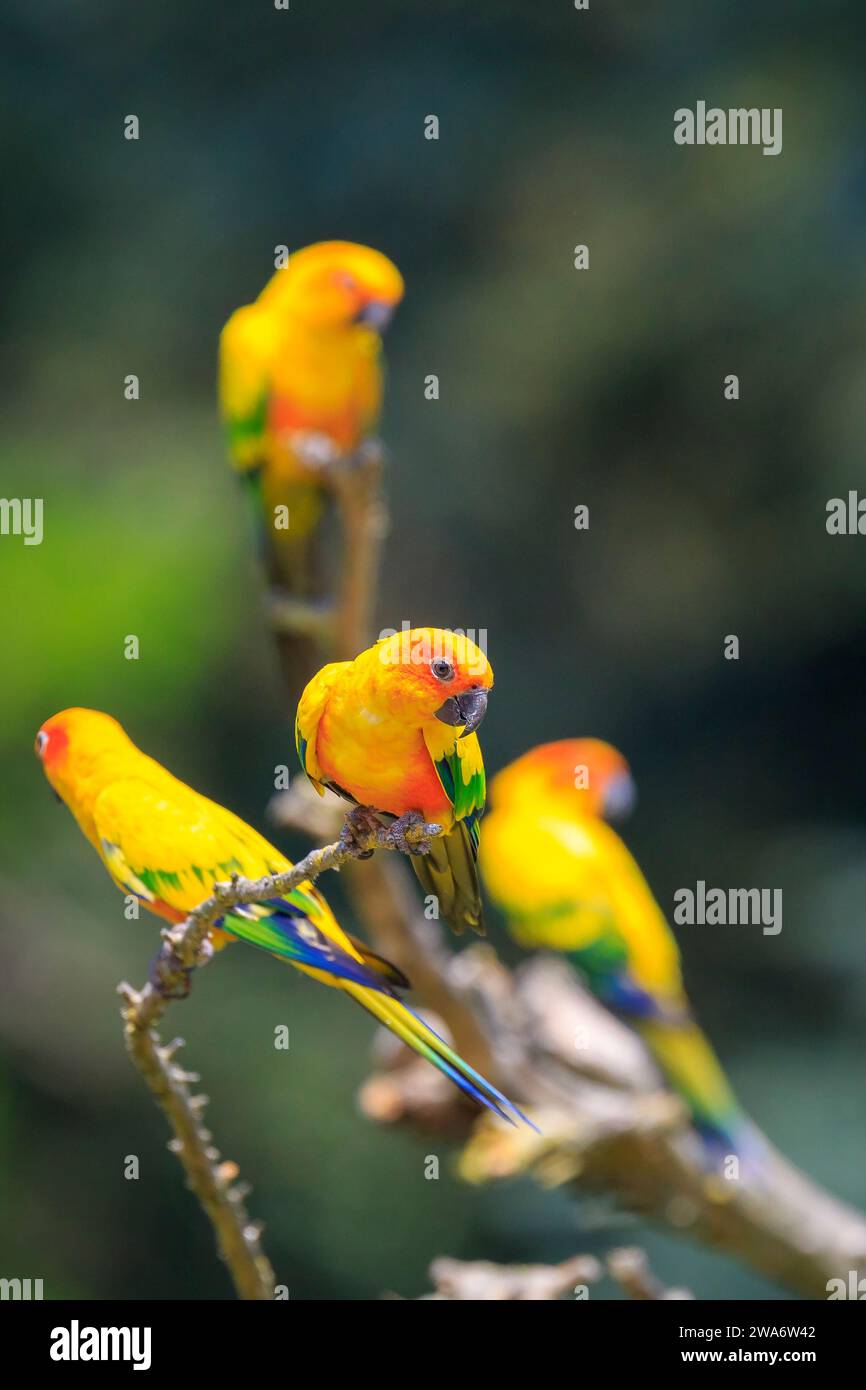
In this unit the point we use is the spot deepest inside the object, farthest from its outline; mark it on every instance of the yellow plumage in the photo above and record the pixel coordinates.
(388, 732)
(566, 882)
(167, 845)
(300, 377)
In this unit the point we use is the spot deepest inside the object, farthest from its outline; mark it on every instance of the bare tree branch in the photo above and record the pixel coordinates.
(332, 622)
(629, 1266)
(364, 521)
(213, 1182)
(609, 1127)
(482, 1281)
(185, 947)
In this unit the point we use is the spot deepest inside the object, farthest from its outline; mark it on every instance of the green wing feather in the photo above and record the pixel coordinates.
(449, 870)
(460, 770)
(247, 346)
(245, 433)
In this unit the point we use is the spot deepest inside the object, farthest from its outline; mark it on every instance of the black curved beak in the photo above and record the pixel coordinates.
(467, 709)
(620, 797)
(376, 313)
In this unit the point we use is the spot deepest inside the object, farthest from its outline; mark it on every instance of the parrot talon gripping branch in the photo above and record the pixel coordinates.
(411, 834)
(360, 826)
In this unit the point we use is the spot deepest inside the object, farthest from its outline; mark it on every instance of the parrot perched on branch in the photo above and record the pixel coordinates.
(566, 882)
(394, 730)
(300, 385)
(167, 845)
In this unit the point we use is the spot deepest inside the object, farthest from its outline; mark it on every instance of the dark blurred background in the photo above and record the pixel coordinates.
(558, 387)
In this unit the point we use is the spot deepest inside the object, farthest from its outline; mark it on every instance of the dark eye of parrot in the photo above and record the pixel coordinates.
(343, 277)
(41, 741)
(442, 669)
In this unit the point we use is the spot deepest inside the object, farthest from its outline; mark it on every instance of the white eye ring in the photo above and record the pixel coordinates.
(442, 669)
(41, 742)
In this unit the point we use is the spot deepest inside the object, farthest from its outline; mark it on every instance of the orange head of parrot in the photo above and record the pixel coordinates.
(336, 284)
(585, 776)
(81, 750)
(433, 673)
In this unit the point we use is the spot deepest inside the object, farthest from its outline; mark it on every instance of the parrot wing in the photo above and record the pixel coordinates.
(587, 933)
(169, 846)
(570, 885)
(460, 769)
(310, 710)
(174, 843)
(449, 870)
(248, 344)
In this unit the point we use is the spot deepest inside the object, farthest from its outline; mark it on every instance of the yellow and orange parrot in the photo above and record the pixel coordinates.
(394, 730)
(168, 845)
(566, 882)
(300, 384)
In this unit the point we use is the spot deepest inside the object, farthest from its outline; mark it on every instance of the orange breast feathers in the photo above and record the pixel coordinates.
(344, 426)
(388, 767)
(328, 383)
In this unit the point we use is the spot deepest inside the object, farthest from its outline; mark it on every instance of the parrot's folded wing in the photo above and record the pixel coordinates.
(460, 769)
(310, 710)
(123, 873)
(448, 872)
(587, 932)
(169, 845)
(248, 344)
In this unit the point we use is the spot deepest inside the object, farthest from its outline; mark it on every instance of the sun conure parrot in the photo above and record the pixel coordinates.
(395, 730)
(167, 845)
(566, 882)
(300, 384)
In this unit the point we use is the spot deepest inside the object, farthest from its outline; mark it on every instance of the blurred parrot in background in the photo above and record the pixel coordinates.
(300, 385)
(167, 845)
(566, 882)
(394, 730)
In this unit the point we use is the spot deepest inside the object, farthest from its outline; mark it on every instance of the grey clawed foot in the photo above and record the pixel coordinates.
(360, 825)
(399, 829)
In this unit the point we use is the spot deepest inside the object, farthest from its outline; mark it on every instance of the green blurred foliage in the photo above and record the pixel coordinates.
(557, 388)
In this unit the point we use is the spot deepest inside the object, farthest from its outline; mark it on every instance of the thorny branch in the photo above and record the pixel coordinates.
(185, 947)
(483, 1281)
